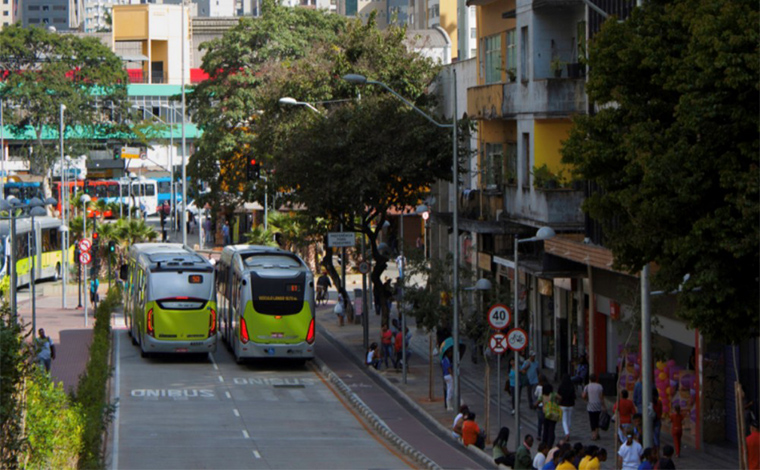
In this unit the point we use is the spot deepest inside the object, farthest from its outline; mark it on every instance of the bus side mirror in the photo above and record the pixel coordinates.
(123, 272)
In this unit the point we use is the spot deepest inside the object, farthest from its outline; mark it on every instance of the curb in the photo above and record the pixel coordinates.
(375, 420)
(485, 458)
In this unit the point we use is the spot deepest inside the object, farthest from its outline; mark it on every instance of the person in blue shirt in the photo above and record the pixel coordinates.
(447, 378)
(530, 368)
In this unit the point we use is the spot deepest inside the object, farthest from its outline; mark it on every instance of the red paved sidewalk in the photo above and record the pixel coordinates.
(65, 326)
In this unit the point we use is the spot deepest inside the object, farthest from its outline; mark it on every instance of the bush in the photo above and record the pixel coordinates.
(91, 391)
(53, 425)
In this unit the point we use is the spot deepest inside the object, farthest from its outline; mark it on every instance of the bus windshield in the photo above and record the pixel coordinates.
(173, 284)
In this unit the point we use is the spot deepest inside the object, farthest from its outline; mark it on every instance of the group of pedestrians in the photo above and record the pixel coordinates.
(391, 347)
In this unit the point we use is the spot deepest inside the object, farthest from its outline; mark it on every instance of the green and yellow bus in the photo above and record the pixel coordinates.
(169, 302)
(266, 303)
(47, 243)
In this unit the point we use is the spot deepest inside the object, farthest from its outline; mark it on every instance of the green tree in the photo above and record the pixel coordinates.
(357, 160)
(673, 150)
(228, 103)
(43, 70)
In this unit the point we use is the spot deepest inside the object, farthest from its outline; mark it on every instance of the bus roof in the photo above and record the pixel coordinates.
(240, 253)
(23, 225)
(168, 256)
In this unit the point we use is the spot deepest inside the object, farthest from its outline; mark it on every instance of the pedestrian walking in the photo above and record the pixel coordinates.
(625, 409)
(676, 428)
(530, 369)
(566, 390)
(45, 350)
(447, 379)
(630, 452)
(340, 310)
(511, 385)
(208, 233)
(94, 296)
(552, 413)
(372, 359)
(593, 393)
(537, 394)
(226, 233)
(398, 348)
(656, 418)
(580, 377)
(523, 458)
(386, 341)
(500, 452)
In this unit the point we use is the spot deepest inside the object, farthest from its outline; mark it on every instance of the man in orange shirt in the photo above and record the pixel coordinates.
(470, 430)
(753, 447)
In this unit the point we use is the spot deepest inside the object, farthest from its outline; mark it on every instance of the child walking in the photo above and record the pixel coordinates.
(676, 428)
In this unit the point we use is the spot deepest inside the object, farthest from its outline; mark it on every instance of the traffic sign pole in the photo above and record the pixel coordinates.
(499, 316)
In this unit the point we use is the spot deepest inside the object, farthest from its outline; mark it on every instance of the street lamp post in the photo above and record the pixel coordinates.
(64, 233)
(544, 233)
(36, 210)
(362, 80)
(85, 199)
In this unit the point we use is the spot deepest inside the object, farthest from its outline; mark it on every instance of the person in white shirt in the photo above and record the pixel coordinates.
(456, 426)
(630, 452)
(372, 360)
(540, 459)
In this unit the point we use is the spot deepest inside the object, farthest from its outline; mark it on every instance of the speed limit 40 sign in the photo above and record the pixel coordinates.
(499, 316)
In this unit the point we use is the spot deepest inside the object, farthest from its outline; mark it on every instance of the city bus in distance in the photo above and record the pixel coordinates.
(169, 302)
(47, 243)
(266, 303)
(164, 189)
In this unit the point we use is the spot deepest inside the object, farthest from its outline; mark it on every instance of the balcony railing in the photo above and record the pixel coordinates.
(559, 208)
(485, 101)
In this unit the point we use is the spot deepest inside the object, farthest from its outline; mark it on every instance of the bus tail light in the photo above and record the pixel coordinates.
(243, 331)
(150, 323)
(310, 333)
(212, 323)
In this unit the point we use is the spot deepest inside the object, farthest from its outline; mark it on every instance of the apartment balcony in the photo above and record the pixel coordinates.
(549, 97)
(479, 204)
(559, 208)
(485, 101)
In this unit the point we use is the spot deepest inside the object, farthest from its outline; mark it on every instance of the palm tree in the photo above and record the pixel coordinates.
(129, 232)
(101, 206)
(259, 236)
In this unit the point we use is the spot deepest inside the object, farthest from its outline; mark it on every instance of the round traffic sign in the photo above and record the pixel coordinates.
(517, 339)
(364, 267)
(85, 244)
(499, 316)
(498, 343)
(85, 257)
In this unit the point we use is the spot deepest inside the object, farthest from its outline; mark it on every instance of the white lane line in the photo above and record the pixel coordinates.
(228, 395)
(237, 413)
(116, 385)
(213, 362)
(245, 434)
(221, 379)
(256, 454)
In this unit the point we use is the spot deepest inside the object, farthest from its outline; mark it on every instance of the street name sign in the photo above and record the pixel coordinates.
(341, 239)
(499, 316)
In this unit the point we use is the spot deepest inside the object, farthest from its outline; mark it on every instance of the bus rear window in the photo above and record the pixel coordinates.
(174, 284)
(277, 296)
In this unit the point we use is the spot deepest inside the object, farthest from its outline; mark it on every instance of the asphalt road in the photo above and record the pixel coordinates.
(207, 412)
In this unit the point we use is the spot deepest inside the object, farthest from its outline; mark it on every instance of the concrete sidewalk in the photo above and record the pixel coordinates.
(424, 387)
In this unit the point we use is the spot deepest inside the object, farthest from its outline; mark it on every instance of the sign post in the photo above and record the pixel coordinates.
(499, 316)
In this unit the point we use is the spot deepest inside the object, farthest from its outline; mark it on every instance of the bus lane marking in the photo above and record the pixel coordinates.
(245, 434)
(229, 395)
(236, 412)
(256, 454)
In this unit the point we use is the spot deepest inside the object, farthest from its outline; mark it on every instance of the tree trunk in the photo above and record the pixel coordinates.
(336, 280)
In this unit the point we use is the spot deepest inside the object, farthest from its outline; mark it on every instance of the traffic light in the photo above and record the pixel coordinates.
(112, 246)
(253, 169)
(87, 186)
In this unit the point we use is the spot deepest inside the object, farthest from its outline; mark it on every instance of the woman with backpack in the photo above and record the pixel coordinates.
(552, 413)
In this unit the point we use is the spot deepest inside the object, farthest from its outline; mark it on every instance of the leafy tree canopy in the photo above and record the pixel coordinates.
(673, 150)
(42, 70)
